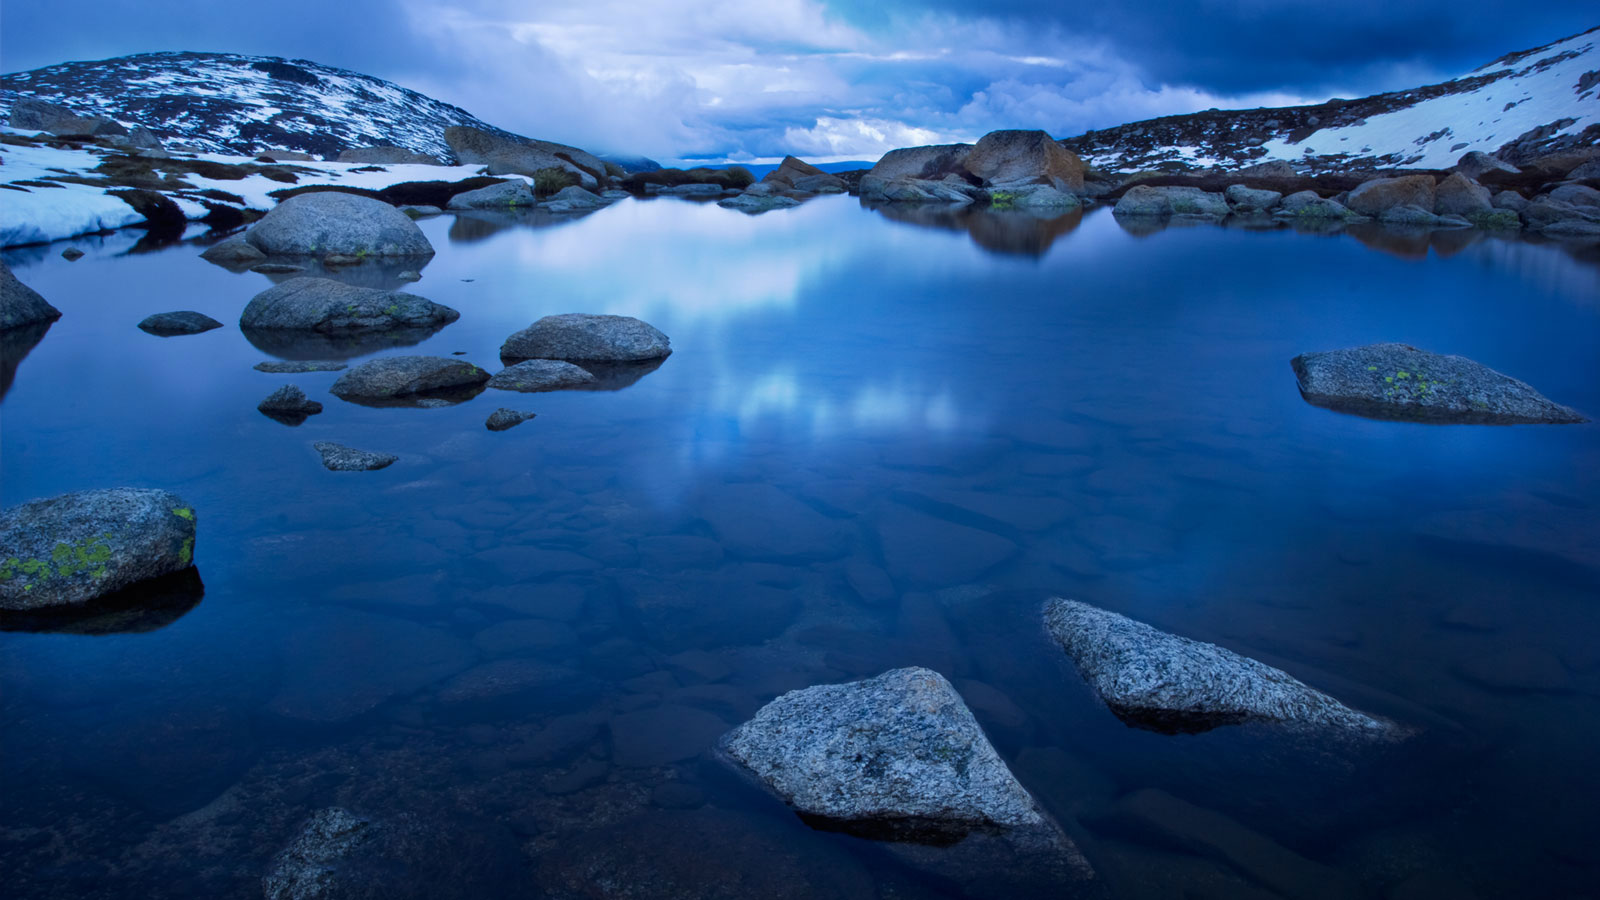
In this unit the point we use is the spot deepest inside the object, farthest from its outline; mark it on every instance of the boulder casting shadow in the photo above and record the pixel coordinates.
(147, 606)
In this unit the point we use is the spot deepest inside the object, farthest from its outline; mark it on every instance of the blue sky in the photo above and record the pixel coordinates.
(825, 79)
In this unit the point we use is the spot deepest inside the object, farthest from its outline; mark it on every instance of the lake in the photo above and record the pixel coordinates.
(884, 439)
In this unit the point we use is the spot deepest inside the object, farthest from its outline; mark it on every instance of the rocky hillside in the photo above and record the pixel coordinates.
(1521, 106)
(243, 105)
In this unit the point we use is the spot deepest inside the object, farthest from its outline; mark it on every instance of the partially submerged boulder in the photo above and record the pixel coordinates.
(505, 195)
(534, 375)
(574, 199)
(1148, 200)
(1372, 198)
(394, 377)
(1401, 382)
(170, 324)
(929, 163)
(503, 419)
(1162, 682)
(899, 756)
(81, 546)
(1019, 156)
(1248, 199)
(327, 306)
(1308, 205)
(21, 305)
(581, 337)
(758, 202)
(323, 222)
(289, 404)
(235, 252)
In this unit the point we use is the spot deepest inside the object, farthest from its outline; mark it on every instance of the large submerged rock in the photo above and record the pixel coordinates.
(22, 305)
(897, 755)
(1401, 382)
(584, 337)
(333, 307)
(323, 222)
(77, 547)
(1162, 682)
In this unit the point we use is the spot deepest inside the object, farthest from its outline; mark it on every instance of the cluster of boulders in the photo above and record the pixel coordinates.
(1026, 169)
(791, 183)
(1421, 200)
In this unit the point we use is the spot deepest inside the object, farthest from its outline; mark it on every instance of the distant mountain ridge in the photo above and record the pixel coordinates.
(237, 104)
(1521, 105)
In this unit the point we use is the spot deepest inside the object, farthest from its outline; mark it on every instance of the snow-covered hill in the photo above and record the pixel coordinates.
(1522, 105)
(228, 103)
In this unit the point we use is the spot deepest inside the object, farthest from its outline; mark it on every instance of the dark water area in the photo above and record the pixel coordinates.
(884, 439)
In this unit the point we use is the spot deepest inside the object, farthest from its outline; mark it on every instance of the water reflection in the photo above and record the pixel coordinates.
(294, 344)
(1013, 231)
(15, 345)
(144, 607)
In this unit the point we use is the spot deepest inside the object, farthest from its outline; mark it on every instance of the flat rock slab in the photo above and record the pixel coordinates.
(295, 368)
(395, 377)
(1401, 382)
(170, 324)
(534, 375)
(21, 305)
(339, 458)
(333, 307)
(80, 546)
(581, 336)
(1162, 682)
(899, 755)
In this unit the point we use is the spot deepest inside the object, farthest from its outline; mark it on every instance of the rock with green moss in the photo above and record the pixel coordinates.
(21, 305)
(1401, 382)
(77, 547)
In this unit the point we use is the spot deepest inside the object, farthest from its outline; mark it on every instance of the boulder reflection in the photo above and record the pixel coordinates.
(1007, 231)
(15, 345)
(143, 607)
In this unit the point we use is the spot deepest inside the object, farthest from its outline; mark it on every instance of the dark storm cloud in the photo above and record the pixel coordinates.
(1234, 46)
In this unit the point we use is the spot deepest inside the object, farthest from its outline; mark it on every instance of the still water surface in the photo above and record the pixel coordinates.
(883, 440)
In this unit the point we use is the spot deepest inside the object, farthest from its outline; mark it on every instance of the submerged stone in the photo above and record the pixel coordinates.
(77, 547)
(322, 222)
(1401, 382)
(326, 306)
(1162, 682)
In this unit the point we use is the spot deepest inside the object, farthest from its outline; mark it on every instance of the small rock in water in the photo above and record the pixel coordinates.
(289, 405)
(540, 375)
(186, 321)
(80, 546)
(295, 367)
(339, 458)
(503, 418)
(1400, 382)
(276, 269)
(1171, 684)
(72, 254)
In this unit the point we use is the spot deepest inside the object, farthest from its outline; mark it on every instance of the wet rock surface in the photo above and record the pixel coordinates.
(503, 419)
(325, 306)
(339, 458)
(582, 336)
(176, 323)
(534, 375)
(399, 377)
(289, 404)
(1162, 682)
(1398, 381)
(77, 547)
